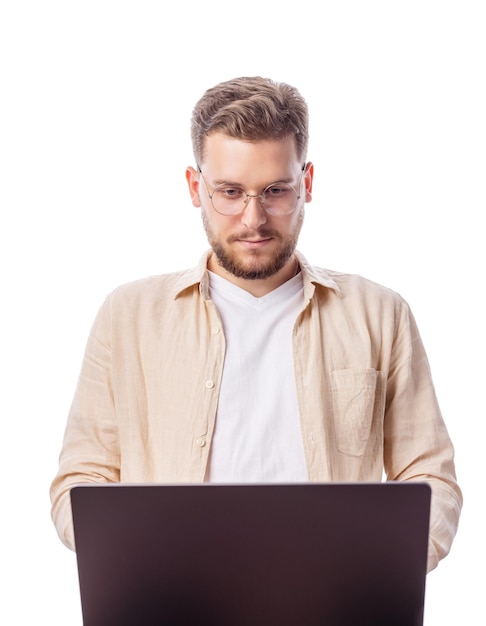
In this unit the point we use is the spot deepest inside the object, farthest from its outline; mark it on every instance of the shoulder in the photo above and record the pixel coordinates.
(357, 297)
(357, 284)
(151, 291)
(348, 285)
(156, 284)
(162, 286)
(343, 286)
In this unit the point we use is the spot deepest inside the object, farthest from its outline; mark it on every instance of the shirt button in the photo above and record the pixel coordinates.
(201, 442)
(209, 384)
(215, 330)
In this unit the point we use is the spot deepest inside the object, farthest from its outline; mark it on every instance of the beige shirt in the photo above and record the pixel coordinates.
(145, 405)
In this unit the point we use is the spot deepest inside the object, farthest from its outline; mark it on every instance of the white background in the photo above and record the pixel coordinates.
(96, 98)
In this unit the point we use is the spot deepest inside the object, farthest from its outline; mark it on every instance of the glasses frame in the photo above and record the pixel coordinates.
(260, 196)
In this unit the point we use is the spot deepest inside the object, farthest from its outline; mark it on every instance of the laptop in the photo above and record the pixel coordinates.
(313, 554)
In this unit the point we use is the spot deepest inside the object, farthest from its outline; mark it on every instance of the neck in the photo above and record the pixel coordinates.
(261, 286)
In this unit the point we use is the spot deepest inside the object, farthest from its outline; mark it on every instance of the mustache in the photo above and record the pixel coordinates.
(261, 233)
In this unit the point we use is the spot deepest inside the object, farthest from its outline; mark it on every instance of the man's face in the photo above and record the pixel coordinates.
(251, 245)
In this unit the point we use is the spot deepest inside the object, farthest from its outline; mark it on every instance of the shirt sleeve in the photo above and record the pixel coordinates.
(90, 450)
(417, 443)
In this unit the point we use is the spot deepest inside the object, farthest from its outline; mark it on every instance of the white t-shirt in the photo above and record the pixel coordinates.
(257, 435)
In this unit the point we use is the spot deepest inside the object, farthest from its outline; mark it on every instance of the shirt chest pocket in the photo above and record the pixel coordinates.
(357, 396)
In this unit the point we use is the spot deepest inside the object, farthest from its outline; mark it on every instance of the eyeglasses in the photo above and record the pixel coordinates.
(277, 199)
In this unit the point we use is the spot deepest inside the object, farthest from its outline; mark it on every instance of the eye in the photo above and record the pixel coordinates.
(277, 191)
(229, 193)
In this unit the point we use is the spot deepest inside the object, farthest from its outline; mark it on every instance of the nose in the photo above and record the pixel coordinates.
(253, 215)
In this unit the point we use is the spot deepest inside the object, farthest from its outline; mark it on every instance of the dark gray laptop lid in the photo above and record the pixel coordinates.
(334, 554)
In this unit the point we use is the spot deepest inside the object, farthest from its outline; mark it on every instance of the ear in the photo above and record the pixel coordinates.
(308, 178)
(192, 179)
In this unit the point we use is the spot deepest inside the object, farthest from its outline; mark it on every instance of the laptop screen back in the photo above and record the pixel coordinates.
(334, 554)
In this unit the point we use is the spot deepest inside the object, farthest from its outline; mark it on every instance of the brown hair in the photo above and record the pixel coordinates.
(252, 109)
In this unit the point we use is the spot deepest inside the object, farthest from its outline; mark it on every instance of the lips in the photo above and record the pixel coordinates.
(253, 244)
(256, 238)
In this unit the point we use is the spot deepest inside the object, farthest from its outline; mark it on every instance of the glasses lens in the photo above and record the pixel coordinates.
(228, 200)
(279, 199)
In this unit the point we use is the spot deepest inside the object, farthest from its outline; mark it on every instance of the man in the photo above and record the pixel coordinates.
(256, 366)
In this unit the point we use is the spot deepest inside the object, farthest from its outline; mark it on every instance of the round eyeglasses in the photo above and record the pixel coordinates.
(277, 199)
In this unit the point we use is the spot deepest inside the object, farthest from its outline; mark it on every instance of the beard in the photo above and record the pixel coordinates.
(253, 265)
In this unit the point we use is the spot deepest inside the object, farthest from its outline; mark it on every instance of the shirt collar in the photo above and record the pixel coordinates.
(315, 276)
(198, 275)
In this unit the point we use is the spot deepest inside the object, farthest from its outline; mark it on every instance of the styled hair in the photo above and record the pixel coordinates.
(251, 109)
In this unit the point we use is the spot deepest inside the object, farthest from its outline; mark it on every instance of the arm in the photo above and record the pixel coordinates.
(417, 444)
(90, 450)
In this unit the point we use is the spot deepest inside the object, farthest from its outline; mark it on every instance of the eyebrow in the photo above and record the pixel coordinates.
(218, 181)
(221, 181)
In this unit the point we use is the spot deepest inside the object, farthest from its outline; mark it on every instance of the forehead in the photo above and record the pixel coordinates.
(230, 159)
